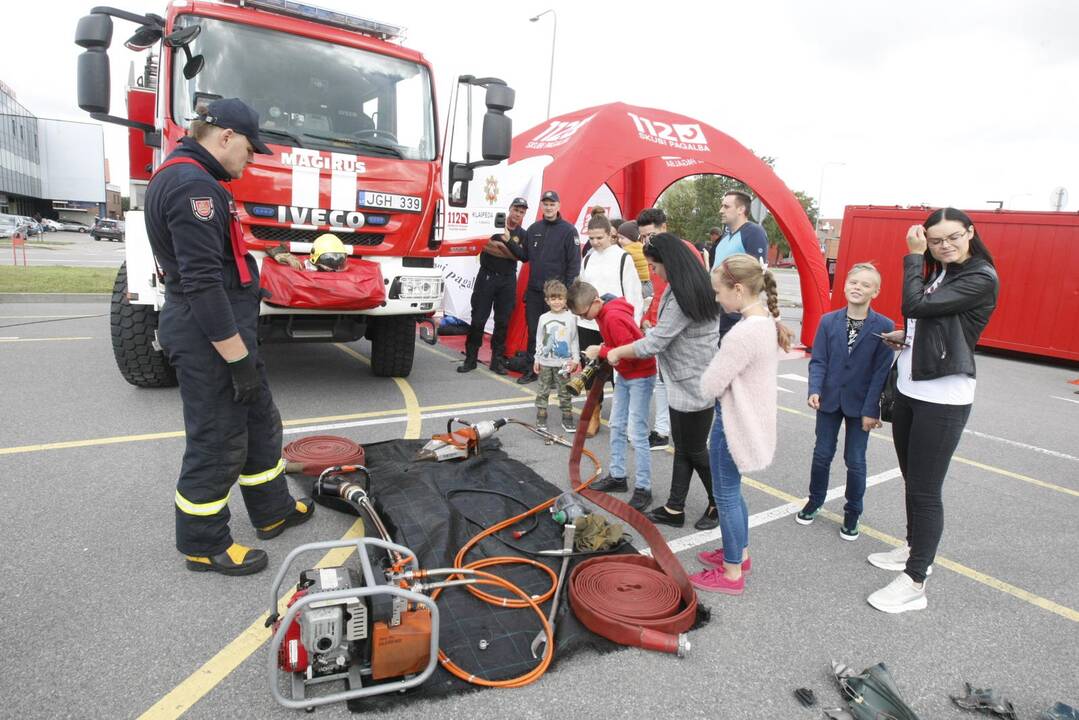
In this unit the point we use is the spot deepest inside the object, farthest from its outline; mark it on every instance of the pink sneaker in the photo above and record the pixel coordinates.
(715, 581)
(715, 559)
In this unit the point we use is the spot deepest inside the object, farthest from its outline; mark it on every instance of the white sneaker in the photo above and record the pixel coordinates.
(894, 560)
(899, 596)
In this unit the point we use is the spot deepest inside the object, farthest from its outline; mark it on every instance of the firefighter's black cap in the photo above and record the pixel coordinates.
(235, 114)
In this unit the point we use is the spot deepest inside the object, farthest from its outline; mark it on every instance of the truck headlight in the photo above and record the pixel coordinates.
(417, 288)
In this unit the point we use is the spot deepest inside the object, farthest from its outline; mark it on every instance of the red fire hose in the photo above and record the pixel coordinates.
(318, 452)
(645, 602)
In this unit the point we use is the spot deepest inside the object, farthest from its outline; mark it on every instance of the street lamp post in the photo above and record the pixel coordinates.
(554, 36)
(820, 193)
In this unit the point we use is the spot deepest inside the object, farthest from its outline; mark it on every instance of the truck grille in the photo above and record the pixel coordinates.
(284, 234)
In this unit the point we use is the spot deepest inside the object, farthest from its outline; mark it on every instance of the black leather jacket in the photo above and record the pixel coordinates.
(951, 318)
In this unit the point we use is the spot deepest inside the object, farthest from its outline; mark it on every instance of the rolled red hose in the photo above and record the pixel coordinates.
(632, 600)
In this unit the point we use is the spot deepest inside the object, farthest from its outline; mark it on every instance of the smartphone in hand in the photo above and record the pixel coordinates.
(881, 336)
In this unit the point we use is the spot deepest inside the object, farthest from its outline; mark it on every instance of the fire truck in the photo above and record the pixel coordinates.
(350, 114)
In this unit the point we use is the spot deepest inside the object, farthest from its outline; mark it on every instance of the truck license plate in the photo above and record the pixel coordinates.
(387, 201)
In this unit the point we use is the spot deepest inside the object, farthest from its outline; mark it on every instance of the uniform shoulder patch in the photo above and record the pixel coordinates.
(203, 208)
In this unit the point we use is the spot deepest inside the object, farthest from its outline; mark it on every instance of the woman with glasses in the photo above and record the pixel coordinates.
(950, 289)
(683, 341)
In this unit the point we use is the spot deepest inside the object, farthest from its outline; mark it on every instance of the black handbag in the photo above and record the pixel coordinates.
(887, 393)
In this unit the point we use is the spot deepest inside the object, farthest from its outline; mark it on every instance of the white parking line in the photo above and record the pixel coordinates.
(793, 376)
(703, 537)
(1057, 397)
(1025, 446)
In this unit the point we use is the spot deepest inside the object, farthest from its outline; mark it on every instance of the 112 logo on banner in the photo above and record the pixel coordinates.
(557, 133)
(683, 136)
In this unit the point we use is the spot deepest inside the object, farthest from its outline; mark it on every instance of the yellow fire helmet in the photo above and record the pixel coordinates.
(329, 253)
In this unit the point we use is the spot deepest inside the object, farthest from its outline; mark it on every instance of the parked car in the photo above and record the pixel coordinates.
(108, 229)
(32, 226)
(50, 225)
(72, 226)
(8, 225)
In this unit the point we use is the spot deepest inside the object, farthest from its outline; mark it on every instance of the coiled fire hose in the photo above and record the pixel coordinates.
(645, 602)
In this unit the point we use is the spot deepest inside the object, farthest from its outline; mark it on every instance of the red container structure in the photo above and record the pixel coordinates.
(1037, 258)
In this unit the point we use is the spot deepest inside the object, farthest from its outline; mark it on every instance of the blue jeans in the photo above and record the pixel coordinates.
(853, 455)
(629, 412)
(663, 410)
(727, 490)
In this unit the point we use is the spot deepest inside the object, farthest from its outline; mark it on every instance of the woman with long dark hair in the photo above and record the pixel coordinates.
(950, 288)
(683, 342)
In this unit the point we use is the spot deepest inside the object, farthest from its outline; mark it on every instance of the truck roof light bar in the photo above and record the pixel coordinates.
(317, 14)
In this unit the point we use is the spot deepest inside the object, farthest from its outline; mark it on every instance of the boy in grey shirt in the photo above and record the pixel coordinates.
(556, 349)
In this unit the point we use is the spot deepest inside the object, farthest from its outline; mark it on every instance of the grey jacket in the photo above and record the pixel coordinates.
(683, 349)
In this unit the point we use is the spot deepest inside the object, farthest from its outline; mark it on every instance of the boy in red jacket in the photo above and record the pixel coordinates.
(632, 389)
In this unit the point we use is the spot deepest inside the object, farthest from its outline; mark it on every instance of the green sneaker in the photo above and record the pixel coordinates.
(808, 514)
(849, 530)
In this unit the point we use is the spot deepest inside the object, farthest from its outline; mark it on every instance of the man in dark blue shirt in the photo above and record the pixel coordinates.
(553, 252)
(208, 329)
(741, 236)
(496, 286)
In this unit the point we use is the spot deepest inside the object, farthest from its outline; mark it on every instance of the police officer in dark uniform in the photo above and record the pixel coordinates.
(208, 330)
(496, 285)
(553, 251)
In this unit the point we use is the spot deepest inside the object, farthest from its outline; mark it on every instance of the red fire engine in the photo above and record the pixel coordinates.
(351, 117)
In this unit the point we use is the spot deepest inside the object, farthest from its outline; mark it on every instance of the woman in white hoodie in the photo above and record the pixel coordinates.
(609, 269)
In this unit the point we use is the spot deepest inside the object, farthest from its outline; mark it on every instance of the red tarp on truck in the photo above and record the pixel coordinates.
(360, 287)
(1037, 258)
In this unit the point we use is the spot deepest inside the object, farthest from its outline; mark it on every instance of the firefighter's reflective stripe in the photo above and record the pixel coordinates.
(263, 477)
(202, 509)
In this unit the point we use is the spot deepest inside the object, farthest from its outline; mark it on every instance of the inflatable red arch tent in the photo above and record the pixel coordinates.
(636, 153)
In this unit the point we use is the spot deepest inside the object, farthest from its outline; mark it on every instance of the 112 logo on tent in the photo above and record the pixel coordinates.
(684, 136)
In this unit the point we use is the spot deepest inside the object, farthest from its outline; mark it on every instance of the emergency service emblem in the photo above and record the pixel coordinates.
(490, 189)
(203, 207)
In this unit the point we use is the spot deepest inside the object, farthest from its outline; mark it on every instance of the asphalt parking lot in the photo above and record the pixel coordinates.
(73, 249)
(99, 618)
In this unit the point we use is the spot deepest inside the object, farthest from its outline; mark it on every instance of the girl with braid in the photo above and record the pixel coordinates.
(742, 380)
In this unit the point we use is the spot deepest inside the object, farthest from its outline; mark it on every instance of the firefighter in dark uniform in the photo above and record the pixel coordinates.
(208, 331)
(553, 252)
(496, 286)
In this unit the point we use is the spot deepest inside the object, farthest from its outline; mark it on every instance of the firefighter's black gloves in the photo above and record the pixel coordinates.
(246, 384)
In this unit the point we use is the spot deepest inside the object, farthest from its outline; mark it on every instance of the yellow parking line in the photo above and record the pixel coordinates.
(412, 405)
(988, 580)
(180, 699)
(288, 423)
(973, 463)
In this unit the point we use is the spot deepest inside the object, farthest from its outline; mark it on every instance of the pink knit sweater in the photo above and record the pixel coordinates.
(743, 376)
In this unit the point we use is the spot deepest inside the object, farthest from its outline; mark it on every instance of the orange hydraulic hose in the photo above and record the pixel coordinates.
(521, 680)
(525, 600)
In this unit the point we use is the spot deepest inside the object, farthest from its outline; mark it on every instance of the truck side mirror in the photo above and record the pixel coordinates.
(94, 33)
(93, 81)
(497, 136)
(497, 127)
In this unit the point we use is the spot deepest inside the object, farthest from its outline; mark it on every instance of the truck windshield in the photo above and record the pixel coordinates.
(311, 93)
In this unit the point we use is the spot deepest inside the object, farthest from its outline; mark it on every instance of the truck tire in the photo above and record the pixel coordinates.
(133, 331)
(393, 345)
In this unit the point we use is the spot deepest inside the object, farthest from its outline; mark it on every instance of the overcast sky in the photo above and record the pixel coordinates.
(949, 102)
